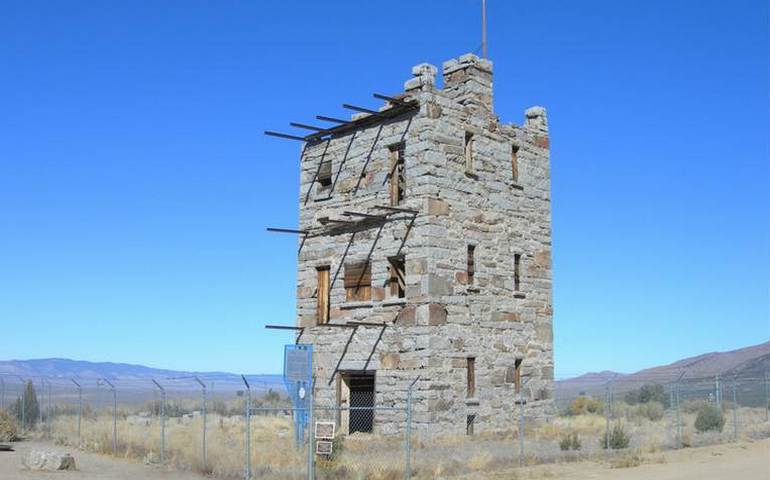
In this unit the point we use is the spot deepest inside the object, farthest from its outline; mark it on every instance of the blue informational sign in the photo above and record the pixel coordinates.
(298, 379)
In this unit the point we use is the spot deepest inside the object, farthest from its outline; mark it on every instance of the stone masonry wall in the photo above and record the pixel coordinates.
(443, 319)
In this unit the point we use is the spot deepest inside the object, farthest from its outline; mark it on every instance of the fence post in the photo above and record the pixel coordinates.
(49, 413)
(23, 403)
(678, 418)
(767, 398)
(2, 393)
(310, 434)
(247, 472)
(40, 404)
(80, 406)
(607, 419)
(735, 412)
(521, 426)
(162, 412)
(717, 395)
(114, 413)
(203, 410)
(408, 460)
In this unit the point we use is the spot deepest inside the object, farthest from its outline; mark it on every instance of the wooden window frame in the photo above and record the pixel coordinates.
(397, 177)
(397, 276)
(515, 163)
(322, 294)
(471, 263)
(470, 377)
(358, 282)
(468, 150)
(517, 272)
(517, 375)
(325, 175)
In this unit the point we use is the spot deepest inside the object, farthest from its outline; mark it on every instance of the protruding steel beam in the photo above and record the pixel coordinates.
(361, 109)
(364, 215)
(393, 100)
(308, 127)
(287, 230)
(332, 119)
(398, 210)
(283, 327)
(285, 135)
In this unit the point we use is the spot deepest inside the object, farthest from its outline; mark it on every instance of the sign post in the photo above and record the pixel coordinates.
(298, 379)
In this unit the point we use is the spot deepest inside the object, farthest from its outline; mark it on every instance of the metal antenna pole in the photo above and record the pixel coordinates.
(162, 421)
(203, 409)
(80, 406)
(247, 472)
(484, 28)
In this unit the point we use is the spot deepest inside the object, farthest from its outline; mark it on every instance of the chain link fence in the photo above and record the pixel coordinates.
(197, 424)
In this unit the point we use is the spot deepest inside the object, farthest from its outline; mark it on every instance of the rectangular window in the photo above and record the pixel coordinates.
(468, 152)
(471, 269)
(516, 272)
(471, 377)
(397, 278)
(322, 306)
(517, 376)
(470, 420)
(397, 174)
(325, 174)
(515, 162)
(358, 282)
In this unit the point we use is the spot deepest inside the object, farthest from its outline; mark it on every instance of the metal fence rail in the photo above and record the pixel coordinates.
(249, 431)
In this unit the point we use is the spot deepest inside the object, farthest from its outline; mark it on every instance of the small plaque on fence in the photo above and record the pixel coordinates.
(324, 430)
(323, 447)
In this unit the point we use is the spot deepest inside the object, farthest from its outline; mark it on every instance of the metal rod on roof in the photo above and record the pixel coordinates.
(360, 109)
(284, 135)
(283, 327)
(367, 324)
(307, 127)
(332, 119)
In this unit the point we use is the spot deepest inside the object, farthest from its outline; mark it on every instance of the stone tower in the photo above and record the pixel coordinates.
(426, 252)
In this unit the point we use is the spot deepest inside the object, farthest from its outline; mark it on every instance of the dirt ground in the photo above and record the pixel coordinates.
(736, 461)
(90, 466)
(741, 461)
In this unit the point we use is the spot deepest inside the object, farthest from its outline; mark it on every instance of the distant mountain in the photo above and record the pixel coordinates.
(748, 363)
(62, 370)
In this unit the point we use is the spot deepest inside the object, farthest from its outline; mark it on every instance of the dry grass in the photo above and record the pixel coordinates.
(380, 457)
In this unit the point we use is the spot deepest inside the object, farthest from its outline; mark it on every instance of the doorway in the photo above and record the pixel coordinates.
(356, 391)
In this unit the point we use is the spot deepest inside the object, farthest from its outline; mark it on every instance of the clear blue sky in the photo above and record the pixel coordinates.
(135, 183)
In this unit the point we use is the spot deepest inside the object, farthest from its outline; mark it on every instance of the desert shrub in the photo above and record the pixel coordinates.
(652, 411)
(8, 432)
(618, 439)
(570, 442)
(26, 407)
(583, 405)
(693, 406)
(710, 418)
(647, 393)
